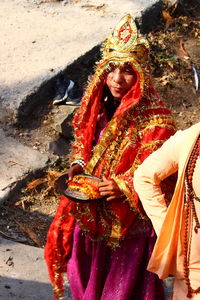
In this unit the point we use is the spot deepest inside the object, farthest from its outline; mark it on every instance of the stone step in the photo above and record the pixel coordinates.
(23, 273)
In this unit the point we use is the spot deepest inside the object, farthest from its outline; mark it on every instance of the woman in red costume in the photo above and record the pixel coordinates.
(104, 245)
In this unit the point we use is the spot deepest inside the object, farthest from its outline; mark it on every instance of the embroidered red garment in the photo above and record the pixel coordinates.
(140, 125)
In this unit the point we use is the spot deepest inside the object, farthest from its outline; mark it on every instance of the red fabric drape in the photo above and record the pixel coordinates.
(139, 126)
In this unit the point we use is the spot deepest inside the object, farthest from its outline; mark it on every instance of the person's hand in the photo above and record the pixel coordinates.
(110, 189)
(74, 170)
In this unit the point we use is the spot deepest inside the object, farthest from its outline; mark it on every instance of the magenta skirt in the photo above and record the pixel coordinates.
(98, 272)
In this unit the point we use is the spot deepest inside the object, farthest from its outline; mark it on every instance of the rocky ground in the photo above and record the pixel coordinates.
(175, 61)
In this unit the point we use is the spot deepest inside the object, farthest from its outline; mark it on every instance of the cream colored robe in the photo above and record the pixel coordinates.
(167, 257)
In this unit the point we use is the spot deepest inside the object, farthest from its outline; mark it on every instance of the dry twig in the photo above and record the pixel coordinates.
(30, 233)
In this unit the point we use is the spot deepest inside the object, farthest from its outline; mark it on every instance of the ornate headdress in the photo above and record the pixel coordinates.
(125, 42)
(124, 45)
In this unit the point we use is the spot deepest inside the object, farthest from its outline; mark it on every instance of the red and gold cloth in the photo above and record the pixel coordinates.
(139, 126)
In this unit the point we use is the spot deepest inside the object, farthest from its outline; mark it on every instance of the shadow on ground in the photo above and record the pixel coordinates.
(17, 289)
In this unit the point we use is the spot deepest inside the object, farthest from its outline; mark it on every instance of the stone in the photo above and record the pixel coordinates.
(24, 273)
(62, 120)
(17, 162)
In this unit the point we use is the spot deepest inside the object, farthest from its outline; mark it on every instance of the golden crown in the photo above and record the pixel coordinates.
(125, 41)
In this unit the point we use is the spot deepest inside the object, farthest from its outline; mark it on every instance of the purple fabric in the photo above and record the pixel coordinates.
(98, 272)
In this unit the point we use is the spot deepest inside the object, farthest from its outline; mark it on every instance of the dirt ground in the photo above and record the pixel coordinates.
(175, 61)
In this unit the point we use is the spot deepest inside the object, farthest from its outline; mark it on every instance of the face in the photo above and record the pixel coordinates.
(120, 79)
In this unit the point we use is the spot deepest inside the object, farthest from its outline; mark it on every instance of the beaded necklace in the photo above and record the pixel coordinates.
(190, 197)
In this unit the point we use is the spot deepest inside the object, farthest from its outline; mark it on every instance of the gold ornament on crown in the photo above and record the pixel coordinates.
(125, 42)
